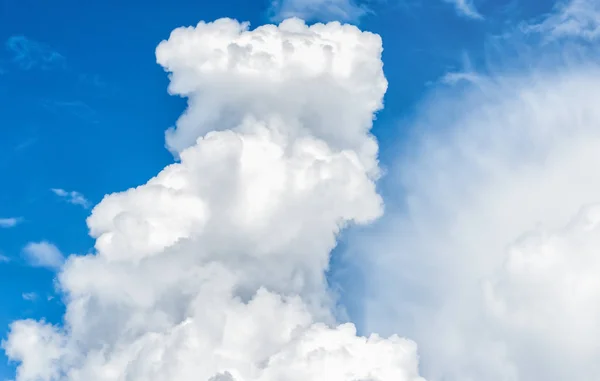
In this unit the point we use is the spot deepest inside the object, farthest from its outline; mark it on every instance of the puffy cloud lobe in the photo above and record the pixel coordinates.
(39, 345)
(325, 354)
(214, 269)
(43, 254)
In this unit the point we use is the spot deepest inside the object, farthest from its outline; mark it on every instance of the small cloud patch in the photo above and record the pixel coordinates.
(43, 254)
(72, 197)
(466, 8)
(29, 296)
(10, 222)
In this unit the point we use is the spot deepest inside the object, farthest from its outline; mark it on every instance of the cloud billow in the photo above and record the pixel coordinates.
(215, 268)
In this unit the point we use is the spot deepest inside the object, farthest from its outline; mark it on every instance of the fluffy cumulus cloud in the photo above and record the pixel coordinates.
(490, 259)
(214, 269)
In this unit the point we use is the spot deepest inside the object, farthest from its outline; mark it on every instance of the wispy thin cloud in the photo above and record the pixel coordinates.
(99, 86)
(321, 10)
(93, 80)
(72, 197)
(10, 222)
(43, 254)
(466, 74)
(28, 54)
(4, 258)
(575, 18)
(29, 296)
(452, 78)
(466, 8)
(25, 144)
(77, 109)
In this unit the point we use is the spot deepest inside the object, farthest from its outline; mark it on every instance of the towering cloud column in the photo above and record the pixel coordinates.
(214, 269)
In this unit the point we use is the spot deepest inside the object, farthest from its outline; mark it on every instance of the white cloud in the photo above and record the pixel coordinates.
(466, 74)
(72, 197)
(343, 10)
(29, 296)
(547, 292)
(466, 8)
(452, 78)
(4, 258)
(575, 18)
(10, 222)
(215, 268)
(475, 263)
(43, 254)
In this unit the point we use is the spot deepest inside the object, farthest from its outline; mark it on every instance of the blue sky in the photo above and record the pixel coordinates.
(84, 107)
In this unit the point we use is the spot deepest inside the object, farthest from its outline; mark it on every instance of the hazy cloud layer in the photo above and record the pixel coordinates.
(488, 260)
